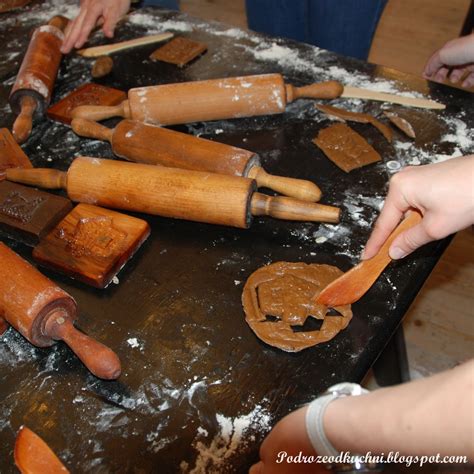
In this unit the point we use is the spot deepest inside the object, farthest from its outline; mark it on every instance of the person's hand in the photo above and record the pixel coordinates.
(455, 59)
(443, 193)
(93, 13)
(288, 438)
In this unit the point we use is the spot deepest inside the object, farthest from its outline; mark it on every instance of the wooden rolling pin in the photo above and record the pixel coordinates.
(43, 313)
(171, 192)
(142, 143)
(34, 83)
(212, 99)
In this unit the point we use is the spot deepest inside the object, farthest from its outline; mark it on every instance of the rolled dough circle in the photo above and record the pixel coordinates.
(287, 292)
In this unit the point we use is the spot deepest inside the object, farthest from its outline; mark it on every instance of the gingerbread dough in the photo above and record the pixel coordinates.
(179, 51)
(404, 125)
(346, 148)
(287, 292)
(344, 114)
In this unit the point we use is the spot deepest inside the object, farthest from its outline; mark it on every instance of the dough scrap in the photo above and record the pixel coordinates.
(404, 125)
(343, 114)
(346, 148)
(287, 292)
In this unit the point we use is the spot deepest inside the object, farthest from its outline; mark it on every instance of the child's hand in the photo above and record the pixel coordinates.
(443, 193)
(454, 59)
(93, 13)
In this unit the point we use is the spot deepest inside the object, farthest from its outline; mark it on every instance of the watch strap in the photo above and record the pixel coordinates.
(315, 427)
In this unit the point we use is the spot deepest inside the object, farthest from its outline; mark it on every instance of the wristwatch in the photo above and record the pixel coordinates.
(317, 436)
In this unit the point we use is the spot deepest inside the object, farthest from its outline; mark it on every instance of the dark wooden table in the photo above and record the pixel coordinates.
(192, 368)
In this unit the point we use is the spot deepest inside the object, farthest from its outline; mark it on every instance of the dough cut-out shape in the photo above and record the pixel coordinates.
(346, 148)
(179, 51)
(283, 295)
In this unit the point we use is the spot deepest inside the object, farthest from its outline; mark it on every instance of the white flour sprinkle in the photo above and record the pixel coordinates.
(153, 24)
(233, 436)
(133, 342)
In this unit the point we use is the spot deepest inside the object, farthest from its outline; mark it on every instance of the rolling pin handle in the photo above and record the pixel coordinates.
(102, 112)
(319, 90)
(297, 188)
(99, 359)
(42, 177)
(59, 21)
(24, 122)
(292, 209)
(91, 129)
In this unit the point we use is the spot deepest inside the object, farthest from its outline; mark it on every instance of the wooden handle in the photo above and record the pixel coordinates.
(102, 112)
(297, 188)
(59, 21)
(352, 285)
(292, 209)
(42, 177)
(113, 48)
(356, 93)
(90, 129)
(24, 122)
(382, 258)
(99, 359)
(33, 456)
(320, 90)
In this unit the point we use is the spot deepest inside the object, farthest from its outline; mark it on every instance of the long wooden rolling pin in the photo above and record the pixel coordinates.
(170, 192)
(34, 83)
(142, 143)
(212, 99)
(43, 313)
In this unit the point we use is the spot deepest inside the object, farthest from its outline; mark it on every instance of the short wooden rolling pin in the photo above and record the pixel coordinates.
(212, 99)
(34, 83)
(142, 143)
(43, 313)
(170, 192)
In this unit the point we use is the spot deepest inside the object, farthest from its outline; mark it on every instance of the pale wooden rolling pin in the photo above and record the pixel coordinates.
(233, 97)
(170, 192)
(142, 143)
(213, 99)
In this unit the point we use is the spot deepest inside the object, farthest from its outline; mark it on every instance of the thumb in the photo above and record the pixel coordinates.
(409, 241)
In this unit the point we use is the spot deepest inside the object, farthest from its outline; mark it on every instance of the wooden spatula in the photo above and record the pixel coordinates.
(34, 456)
(351, 286)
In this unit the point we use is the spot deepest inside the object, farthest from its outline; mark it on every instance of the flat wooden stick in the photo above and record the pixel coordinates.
(113, 48)
(357, 93)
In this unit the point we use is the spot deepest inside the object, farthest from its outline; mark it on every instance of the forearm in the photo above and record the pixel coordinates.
(429, 416)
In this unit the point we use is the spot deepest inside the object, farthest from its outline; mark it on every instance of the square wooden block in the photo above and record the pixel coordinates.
(345, 147)
(11, 154)
(179, 51)
(92, 244)
(87, 94)
(27, 214)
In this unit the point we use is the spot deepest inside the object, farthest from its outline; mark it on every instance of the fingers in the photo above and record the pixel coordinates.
(432, 66)
(410, 240)
(469, 80)
(89, 22)
(72, 32)
(393, 210)
(110, 21)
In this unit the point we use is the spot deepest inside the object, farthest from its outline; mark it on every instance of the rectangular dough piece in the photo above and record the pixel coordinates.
(179, 51)
(345, 147)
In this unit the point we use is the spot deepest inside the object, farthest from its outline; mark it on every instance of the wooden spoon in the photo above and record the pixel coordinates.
(34, 456)
(351, 286)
